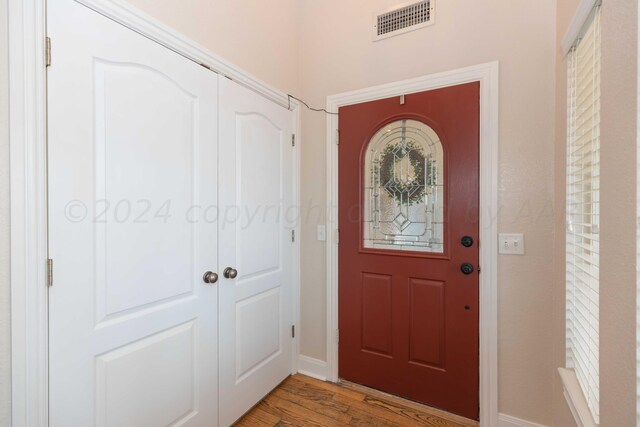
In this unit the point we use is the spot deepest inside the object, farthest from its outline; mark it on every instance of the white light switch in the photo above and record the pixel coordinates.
(321, 233)
(511, 244)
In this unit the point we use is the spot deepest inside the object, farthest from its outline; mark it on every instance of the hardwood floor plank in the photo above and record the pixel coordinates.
(366, 418)
(259, 417)
(381, 413)
(251, 420)
(334, 388)
(457, 420)
(307, 391)
(421, 418)
(301, 401)
(296, 414)
(328, 408)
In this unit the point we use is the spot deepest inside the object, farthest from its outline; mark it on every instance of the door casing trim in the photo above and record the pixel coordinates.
(28, 186)
(488, 76)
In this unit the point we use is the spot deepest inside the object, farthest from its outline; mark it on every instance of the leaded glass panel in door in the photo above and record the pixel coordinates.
(404, 189)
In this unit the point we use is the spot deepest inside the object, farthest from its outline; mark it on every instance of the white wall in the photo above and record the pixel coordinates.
(5, 313)
(337, 54)
(259, 36)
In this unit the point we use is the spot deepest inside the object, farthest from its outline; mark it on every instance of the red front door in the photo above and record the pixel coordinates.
(408, 251)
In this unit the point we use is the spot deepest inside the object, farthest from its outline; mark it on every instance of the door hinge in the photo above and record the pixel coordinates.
(293, 331)
(293, 139)
(337, 137)
(293, 235)
(47, 51)
(337, 236)
(337, 335)
(49, 272)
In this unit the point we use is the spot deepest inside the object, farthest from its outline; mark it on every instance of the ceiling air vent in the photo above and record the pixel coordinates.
(403, 18)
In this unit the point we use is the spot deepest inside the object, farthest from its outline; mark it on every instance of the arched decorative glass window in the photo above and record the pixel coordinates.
(404, 189)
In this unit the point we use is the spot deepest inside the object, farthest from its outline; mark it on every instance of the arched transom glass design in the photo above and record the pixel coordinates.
(404, 189)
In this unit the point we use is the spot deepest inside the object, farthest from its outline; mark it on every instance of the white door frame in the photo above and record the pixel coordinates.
(28, 148)
(487, 75)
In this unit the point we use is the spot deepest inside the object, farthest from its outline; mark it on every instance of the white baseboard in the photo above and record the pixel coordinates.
(509, 421)
(312, 367)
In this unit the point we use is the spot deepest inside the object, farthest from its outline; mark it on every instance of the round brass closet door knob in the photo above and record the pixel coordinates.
(210, 277)
(230, 273)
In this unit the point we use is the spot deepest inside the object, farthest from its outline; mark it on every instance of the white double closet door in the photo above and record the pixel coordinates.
(160, 171)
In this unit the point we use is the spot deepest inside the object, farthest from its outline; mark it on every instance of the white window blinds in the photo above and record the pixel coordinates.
(583, 212)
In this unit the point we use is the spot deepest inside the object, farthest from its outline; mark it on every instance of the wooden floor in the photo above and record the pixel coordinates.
(304, 401)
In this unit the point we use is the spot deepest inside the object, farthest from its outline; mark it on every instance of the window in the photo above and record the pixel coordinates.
(583, 212)
(404, 188)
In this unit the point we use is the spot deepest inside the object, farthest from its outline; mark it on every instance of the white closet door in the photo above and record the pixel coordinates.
(256, 217)
(133, 168)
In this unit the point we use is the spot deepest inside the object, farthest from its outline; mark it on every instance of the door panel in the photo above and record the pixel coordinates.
(264, 308)
(125, 153)
(116, 389)
(132, 149)
(426, 333)
(376, 313)
(259, 193)
(408, 181)
(256, 184)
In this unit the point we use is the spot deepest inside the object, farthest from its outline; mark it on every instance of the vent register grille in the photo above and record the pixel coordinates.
(402, 19)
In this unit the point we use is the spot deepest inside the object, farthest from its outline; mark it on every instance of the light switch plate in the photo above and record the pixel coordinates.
(511, 243)
(321, 233)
